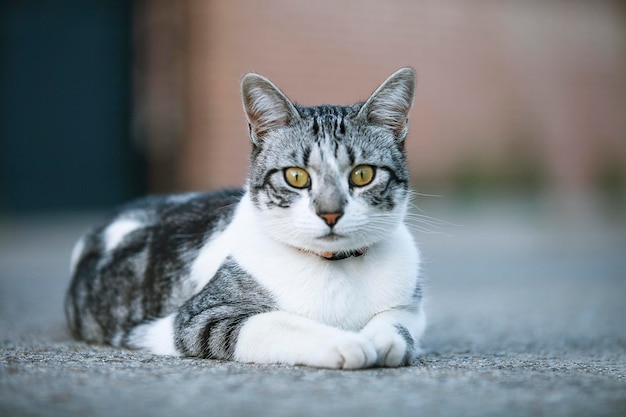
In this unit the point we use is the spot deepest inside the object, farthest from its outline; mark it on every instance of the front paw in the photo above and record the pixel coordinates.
(391, 347)
(348, 351)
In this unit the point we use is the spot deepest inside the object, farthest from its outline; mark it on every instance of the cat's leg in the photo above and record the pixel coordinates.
(395, 334)
(282, 337)
(230, 332)
(233, 332)
(235, 318)
(156, 336)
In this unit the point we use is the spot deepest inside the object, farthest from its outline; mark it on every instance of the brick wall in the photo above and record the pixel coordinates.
(500, 83)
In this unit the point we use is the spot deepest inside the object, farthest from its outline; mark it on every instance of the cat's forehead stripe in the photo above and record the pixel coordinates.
(326, 110)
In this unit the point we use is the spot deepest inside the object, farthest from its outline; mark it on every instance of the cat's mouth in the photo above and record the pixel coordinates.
(331, 237)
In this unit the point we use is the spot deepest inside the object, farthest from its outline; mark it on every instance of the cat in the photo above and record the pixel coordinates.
(310, 263)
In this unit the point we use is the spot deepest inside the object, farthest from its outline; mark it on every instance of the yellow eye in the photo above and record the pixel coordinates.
(297, 177)
(362, 175)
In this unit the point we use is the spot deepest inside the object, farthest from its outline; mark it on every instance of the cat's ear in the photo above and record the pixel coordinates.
(266, 107)
(390, 104)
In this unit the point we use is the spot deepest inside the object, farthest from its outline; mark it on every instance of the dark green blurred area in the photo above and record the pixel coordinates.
(65, 97)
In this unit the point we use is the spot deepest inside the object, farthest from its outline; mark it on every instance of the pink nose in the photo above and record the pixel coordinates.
(331, 218)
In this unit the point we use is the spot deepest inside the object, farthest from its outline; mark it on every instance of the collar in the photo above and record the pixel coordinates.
(337, 256)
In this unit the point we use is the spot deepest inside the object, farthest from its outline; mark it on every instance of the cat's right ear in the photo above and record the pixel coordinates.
(266, 107)
(390, 104)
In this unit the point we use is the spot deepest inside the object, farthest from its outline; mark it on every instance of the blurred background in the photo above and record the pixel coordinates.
(104, 100)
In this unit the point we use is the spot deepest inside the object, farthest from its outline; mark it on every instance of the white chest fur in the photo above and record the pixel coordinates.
(345, 293)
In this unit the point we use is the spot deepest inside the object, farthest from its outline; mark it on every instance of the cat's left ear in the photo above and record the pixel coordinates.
(266, 107)
(390, 104)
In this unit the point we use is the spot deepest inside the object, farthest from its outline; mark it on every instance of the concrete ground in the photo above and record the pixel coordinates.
(527, 311)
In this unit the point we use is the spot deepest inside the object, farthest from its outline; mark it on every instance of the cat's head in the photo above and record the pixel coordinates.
(329, 179)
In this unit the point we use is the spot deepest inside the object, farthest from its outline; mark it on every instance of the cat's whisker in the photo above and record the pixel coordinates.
(412, 215)
(429, 218)
(414, 193)
(427, 225)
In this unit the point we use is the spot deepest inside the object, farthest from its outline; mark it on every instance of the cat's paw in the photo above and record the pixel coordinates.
(391, 347)
(348, 351)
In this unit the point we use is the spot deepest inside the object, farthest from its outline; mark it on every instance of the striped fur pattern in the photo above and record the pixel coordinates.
(310, 263)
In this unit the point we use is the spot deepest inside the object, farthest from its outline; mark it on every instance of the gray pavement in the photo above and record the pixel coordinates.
(527, 311)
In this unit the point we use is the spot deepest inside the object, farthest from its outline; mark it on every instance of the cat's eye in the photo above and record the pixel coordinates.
(297, 177)
(362, 175)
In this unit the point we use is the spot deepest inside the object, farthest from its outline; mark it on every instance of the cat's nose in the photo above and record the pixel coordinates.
(331, 219)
